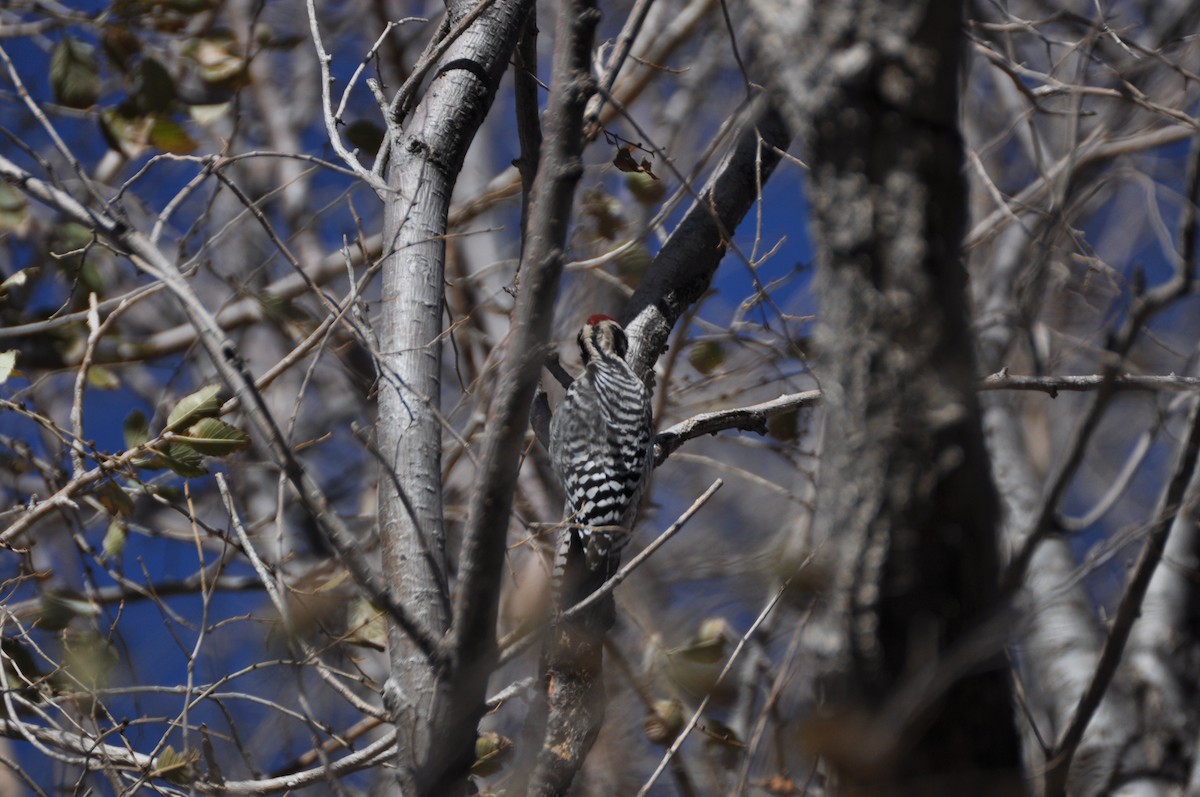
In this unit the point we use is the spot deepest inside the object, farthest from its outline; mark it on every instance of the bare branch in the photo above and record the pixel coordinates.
(686, 263)
(331, 121)
(644, 554)
(751, 419)
(1169, 505)
(691, 723)
(223, 354)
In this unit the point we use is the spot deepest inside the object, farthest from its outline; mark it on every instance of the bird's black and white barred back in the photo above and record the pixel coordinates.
(600, 444)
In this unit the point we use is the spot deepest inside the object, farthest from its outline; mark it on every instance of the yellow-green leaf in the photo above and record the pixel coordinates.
(115, 537)
(201, 404)
(102, 378)
(214, 438)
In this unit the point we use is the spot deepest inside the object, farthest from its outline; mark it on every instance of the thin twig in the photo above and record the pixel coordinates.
(1170, 505)
(331, 123)
(150, 259)
(691, 724)
(520, 640)
(646, 553)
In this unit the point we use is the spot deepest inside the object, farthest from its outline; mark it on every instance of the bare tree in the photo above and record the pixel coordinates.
(283, 290)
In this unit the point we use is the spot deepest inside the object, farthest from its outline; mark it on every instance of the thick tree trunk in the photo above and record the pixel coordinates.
(424, 166)
(905, 491)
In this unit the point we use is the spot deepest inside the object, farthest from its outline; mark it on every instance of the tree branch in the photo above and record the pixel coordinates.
(684, 267)
(751, 419)
(148, 258)
(1169, 505)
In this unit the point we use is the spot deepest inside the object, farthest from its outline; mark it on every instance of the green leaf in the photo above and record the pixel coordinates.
(215, 438)
(115, 537)
(201, 404)
(137, 429)
(74, 73)
(184, 460)
(168, 136)
(154, 88)
(8, 364)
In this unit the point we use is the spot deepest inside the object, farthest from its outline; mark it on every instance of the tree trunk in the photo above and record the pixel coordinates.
(905, 491)
(424, 166)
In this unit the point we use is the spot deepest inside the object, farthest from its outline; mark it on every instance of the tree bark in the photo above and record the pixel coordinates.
(904, 490)
(683, 269)
(425, 161)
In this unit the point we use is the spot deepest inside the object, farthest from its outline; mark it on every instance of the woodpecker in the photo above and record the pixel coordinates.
(600, 445)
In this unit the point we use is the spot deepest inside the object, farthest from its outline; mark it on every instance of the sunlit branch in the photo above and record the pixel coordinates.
(229, 365)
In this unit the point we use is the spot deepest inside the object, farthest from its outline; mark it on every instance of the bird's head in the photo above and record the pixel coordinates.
(602, 338)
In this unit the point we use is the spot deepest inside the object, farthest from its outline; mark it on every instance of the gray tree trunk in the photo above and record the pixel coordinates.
(424, 165)
(905, 492)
